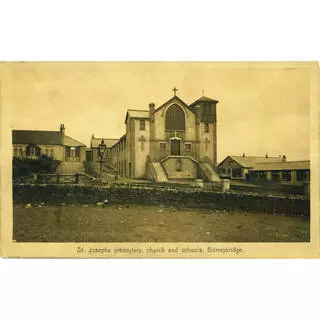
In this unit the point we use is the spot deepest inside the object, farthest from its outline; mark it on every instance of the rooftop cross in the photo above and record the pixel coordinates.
(142, 139)
(175, 91)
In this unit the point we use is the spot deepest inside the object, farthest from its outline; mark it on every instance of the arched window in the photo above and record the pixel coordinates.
(175, 119)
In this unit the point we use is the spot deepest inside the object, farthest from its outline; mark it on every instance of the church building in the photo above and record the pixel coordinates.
(174, 141)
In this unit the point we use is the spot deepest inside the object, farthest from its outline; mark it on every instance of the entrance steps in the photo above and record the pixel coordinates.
(158, 172)
(209, 174)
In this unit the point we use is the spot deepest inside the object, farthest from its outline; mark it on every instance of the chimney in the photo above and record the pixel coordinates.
(284, 158)
(152, 107)
(243, 155)
(62, 129)
(266, 156)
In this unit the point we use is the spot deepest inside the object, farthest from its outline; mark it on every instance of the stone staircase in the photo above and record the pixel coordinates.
(70, 168)
(209, 173)
(159, 174)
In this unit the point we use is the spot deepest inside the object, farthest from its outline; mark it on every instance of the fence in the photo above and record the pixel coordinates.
(56, 178)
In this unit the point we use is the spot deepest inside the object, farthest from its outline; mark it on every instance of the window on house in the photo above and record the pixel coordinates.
(77, 152)
(142, 125)
(206, 127)
(275, 175)
(237, 173)
(187, 147)
(163, 146)
(68, 152)
(15, 152)
(286, 175)
(302, 175)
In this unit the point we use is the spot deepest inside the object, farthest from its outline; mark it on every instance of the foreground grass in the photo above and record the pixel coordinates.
(153, 224)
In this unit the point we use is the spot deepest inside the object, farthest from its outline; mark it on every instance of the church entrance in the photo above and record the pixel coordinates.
(175, 147)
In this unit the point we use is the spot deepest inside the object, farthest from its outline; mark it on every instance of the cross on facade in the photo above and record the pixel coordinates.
(207, 142)
(142, 139)
(175, 91)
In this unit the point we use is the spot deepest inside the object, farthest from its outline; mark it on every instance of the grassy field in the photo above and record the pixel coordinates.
(153, 224)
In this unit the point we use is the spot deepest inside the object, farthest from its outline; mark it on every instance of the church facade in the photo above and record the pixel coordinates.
(172, 141)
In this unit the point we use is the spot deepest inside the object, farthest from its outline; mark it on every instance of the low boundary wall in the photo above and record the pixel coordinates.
(77, 194)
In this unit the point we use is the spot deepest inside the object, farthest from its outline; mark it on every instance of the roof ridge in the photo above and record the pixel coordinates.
(74, 140)
(137, 110)
(35, 130)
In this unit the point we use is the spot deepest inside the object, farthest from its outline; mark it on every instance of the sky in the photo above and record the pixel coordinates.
(263, 107)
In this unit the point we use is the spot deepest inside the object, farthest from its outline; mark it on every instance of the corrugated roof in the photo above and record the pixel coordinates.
(72, 143)
(109, 142)
(36, 137)
(250, 162)
(283, 165)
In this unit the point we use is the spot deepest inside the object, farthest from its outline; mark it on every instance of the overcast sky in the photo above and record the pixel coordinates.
(263, 108)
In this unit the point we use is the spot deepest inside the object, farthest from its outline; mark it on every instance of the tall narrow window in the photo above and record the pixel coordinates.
(175, 119)
(206, 127)
(142, 125)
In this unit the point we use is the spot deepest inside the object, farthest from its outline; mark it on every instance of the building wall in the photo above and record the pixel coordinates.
(231, 168)
(142, 147)
(56, 151)
(281, 176)
(162, 136)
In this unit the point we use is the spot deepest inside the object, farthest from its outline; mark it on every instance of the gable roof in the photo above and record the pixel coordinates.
(137, 114)
(36, 137)
(203, 99)
(172, 100)
(108, 142)
(67, 141)
(249, 161)
(283, 165)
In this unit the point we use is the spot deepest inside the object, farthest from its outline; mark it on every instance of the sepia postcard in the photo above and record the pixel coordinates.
(160, 159)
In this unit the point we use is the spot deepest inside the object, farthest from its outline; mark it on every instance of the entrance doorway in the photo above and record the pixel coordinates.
(175, 147)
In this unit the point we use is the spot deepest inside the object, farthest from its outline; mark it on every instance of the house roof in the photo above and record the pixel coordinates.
(109, 142)
(283, 165)
(72, 142)
(138, 114)
(36, 137)
(249, 161)
(43, 138)
(203, 99)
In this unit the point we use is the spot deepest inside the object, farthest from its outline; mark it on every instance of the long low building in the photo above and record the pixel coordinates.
(276, 169)
(294, 172)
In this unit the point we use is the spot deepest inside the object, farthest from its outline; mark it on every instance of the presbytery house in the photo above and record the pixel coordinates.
(54, 144)
(171, 142)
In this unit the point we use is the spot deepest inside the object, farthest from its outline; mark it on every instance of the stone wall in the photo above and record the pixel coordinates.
(56, 194)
